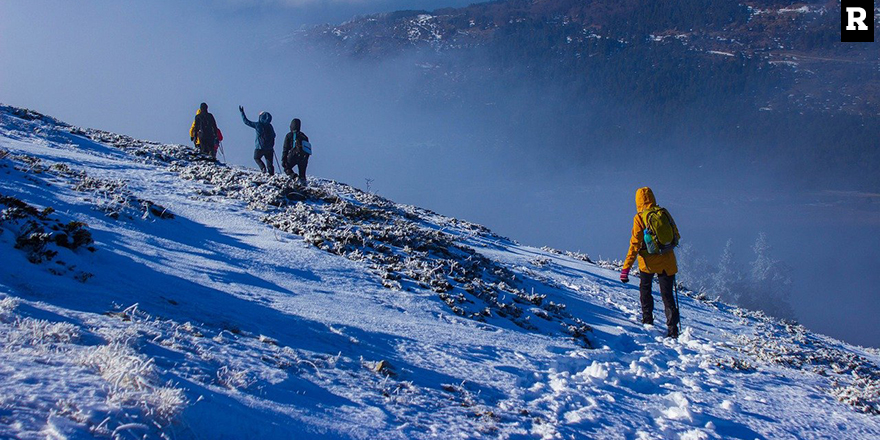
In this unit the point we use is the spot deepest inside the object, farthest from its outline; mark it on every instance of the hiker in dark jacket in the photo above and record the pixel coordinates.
(204, 132)
(264, 145)
(293, 153)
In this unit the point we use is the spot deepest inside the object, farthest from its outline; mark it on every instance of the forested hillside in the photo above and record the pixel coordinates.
(767, 80)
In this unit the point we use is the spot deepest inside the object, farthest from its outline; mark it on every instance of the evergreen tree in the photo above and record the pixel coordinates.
(727, 281)
(770, 283)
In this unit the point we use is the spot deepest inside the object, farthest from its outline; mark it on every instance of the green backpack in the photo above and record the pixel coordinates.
(659, 230)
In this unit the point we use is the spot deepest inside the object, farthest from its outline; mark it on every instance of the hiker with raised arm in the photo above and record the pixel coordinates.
(654, 236)
(204, 132)
(296, 152)
(264, 145)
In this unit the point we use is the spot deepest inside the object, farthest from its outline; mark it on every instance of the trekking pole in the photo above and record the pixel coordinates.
(222, 153)
(677, 308)
(277, 162)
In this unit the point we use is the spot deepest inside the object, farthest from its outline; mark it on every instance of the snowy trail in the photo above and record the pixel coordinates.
(214, 324)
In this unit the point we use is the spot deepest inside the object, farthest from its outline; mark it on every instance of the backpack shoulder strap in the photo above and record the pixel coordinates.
(644, 215)
(649, 213)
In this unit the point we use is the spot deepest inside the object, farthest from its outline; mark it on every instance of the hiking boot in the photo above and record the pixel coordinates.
(672, 333)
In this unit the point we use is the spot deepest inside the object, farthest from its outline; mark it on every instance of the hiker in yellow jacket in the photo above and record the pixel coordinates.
(662, 264)
(204, 132)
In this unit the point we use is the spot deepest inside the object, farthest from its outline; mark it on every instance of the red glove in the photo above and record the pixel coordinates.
(624, 276)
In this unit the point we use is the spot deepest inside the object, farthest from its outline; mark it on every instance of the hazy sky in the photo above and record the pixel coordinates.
(142, 68)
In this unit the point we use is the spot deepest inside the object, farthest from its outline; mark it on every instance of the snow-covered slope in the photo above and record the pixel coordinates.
(144, 293)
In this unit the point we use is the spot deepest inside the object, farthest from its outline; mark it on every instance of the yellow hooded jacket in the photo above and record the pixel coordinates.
(647, 262)
(192, 130)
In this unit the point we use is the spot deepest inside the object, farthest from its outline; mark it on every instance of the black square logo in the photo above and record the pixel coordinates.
(857, 21)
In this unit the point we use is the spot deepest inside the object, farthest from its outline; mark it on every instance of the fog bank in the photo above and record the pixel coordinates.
(512, 158)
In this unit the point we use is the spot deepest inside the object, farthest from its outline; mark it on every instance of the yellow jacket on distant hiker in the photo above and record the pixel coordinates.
(192, 130)
(647, 262)
(204, 132)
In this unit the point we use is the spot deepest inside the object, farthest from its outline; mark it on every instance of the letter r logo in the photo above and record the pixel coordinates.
(856, 21)
(856, 16)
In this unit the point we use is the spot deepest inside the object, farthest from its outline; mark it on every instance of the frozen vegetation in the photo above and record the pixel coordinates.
(147, 294)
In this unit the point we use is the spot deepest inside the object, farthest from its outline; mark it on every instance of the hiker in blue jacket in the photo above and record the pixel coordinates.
(264, 146)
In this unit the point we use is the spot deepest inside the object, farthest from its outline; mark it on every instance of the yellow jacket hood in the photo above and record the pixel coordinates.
(644, 199)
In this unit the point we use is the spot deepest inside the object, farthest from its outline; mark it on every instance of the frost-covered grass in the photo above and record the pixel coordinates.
(132, 380)
(38, 333)
(407, 247)
(52, 374)
(22, 333)
(853, 378)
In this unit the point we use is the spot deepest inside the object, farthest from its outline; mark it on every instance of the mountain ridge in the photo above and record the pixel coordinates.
(765, 82)
(798, 40)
